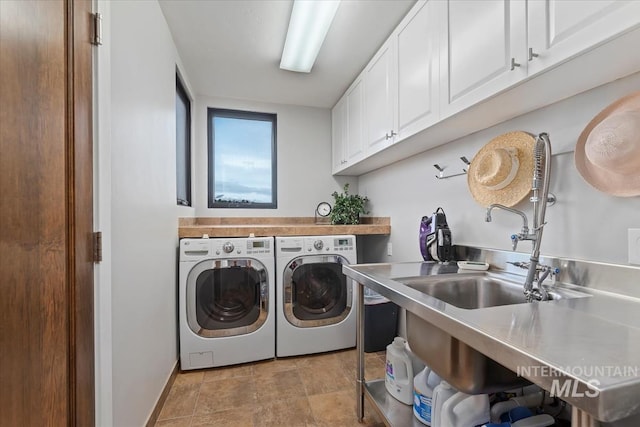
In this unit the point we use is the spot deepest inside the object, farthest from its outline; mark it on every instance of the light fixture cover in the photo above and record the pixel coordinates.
(310, 21)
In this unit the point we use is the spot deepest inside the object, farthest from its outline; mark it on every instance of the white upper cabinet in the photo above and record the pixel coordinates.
(380, 99)
(416, 40)
(559, 30)
(354, 146)
(477, 63)
(482, 50)
(338, 134)
(401, 81)
(347, 127)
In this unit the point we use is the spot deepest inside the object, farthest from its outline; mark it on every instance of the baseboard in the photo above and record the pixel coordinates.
(163, 397)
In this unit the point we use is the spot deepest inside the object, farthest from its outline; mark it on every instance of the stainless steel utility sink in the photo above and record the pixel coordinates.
(463, 367)
(477, 290)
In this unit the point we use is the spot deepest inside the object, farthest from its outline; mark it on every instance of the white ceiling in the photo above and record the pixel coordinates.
(232, 48)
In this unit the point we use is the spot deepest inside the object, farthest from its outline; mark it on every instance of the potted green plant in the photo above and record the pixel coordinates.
(348, 207)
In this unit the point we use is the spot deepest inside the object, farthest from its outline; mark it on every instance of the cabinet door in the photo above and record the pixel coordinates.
(561, 29)
(418, 72)
(380, 98)
(354, 147)
(478, 43)
(338, 131)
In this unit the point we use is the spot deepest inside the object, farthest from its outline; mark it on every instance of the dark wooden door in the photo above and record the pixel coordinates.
(46, 269)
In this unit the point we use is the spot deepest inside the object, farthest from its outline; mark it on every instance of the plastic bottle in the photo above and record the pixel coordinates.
(417, 363)
(423, 385)
(399, 373)
(530, 400)
(441, 394)
(464, 410)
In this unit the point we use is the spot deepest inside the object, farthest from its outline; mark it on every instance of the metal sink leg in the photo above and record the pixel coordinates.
(360, 354)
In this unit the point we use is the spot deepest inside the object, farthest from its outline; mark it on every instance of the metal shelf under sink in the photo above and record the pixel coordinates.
(393, 412)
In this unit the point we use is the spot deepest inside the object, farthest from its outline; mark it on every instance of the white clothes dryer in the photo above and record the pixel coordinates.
(316, 311)
(226, 301)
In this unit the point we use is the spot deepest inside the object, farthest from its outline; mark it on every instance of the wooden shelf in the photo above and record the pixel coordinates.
(277, 226)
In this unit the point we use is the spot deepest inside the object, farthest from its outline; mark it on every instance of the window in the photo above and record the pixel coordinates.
(242, 159)
(183, 145)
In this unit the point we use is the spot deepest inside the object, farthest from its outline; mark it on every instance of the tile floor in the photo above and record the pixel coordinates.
(308, 391)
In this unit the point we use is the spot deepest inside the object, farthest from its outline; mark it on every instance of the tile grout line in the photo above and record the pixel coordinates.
(306, 396)
(257, 400)
(195, 405)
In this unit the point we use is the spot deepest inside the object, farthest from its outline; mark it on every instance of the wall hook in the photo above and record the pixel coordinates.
(466, 162)
(441, 169)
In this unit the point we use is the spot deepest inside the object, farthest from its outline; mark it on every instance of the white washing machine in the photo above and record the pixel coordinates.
(226, 301)
(316, 310)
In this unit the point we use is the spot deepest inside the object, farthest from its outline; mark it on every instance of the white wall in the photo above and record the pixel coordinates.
(102, 222)
(584, 223)
(143, 209)
(304, 158)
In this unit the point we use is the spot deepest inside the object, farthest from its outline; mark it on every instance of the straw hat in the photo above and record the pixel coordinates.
(608, 150)
(502, 171)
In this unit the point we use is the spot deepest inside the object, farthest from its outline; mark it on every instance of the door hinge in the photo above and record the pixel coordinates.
(96, 39)
(97, 247)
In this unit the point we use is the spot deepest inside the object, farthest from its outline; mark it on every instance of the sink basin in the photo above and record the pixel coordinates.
(468, 291)
(477, 290)
(460, 365)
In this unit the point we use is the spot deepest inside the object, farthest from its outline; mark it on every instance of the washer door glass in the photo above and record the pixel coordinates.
(316, 292)
(227, 297)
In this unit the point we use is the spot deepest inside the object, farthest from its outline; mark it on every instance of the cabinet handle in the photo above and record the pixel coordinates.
(532, 54)
(389, 135)
(393, 133)
(514, 64)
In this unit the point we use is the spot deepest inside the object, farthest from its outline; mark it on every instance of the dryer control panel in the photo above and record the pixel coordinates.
(333, 244)
(343, 243)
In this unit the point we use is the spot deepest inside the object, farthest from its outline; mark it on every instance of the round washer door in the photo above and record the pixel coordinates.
(227, 297)
(316, 292)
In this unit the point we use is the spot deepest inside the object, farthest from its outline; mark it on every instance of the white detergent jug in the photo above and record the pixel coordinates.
(441, 394)
(399, 372)
(417, 363)
(423, 385)
(465, 410)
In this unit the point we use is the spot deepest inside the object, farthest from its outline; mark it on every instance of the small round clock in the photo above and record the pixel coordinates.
(323, 209)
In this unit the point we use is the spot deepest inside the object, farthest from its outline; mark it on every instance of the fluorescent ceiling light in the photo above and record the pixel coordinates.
(310, 21)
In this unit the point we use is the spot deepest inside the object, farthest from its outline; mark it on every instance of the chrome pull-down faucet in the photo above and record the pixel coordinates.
(540, 197)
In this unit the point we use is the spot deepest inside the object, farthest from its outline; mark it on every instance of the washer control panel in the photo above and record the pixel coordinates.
(194, 249)
(237, 247)
(259, 246)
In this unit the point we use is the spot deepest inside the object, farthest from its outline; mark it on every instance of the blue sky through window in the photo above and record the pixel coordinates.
(242, 160)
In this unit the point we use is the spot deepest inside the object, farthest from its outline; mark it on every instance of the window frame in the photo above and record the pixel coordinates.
(181, 92)
(245, 115)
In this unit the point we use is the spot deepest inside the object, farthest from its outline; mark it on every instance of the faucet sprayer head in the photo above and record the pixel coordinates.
(539, 153)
